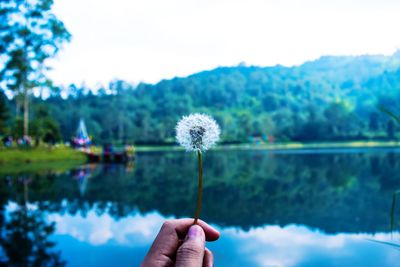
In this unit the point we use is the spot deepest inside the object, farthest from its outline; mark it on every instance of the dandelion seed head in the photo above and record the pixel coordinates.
(197, 132)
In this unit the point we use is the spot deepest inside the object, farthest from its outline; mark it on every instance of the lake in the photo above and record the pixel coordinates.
(273, 208)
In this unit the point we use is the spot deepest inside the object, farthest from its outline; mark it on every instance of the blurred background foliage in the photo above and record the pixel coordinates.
(330, 99)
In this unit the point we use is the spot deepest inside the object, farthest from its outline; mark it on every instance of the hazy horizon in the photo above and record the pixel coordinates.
(149, 41)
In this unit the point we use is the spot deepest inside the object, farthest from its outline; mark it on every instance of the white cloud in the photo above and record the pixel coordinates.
(154, 39)
(293, 244)
(100, 229)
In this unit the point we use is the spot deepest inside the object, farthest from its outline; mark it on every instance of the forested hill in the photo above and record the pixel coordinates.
(332, 98)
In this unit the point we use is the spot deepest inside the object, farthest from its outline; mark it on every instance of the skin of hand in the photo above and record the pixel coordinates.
(180, 243)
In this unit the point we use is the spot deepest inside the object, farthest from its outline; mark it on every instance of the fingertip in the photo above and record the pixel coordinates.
(212, 234)
(182, 226)
(196, 232)
(191, 252)
(208, 260)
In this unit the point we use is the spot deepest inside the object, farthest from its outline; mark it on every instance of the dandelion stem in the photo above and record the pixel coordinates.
(200, 188)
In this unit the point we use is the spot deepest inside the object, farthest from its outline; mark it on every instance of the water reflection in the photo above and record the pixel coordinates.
(331, 192)
(273, 209)
(25, 240)
(95, 240)
(82, 174)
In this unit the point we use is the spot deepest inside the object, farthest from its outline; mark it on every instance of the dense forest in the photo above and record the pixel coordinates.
(332, 98)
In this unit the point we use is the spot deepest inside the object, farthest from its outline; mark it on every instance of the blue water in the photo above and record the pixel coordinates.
(272, 209)
(101, 241)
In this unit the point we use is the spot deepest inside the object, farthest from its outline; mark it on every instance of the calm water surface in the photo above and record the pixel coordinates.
(308, 208)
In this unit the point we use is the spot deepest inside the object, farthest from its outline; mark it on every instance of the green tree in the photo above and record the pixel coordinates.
(17, 127)
(373, 121)
(3, 113)
(44, 127)
(341, 121)
(30, 34)
(322, 100)
(390, 129)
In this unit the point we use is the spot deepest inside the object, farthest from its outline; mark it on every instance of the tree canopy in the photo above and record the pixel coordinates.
(333, 98)
(30, 33)
(4, 113)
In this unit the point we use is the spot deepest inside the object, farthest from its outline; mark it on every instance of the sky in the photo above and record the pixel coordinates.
(151, 40)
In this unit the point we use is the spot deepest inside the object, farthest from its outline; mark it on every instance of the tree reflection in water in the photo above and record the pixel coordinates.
(25, 234)
(334, 192)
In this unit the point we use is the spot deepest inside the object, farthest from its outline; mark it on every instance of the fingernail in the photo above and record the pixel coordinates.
(195, 232)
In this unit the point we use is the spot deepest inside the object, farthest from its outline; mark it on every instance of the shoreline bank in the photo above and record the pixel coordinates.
(284, 146)
(15, 156)
(38, 155)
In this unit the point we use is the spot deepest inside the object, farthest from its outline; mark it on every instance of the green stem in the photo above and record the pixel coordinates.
(199, 189)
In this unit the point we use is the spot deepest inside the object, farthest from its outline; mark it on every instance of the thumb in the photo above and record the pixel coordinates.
(191, 252)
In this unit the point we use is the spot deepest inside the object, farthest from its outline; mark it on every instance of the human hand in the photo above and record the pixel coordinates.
(180, 243)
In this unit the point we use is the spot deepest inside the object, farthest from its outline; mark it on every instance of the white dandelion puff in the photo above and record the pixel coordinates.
(197, 132)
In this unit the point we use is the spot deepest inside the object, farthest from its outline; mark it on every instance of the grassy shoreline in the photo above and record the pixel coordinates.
(70, 156)
(39, 160)
(284, 146)
(39, 155)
